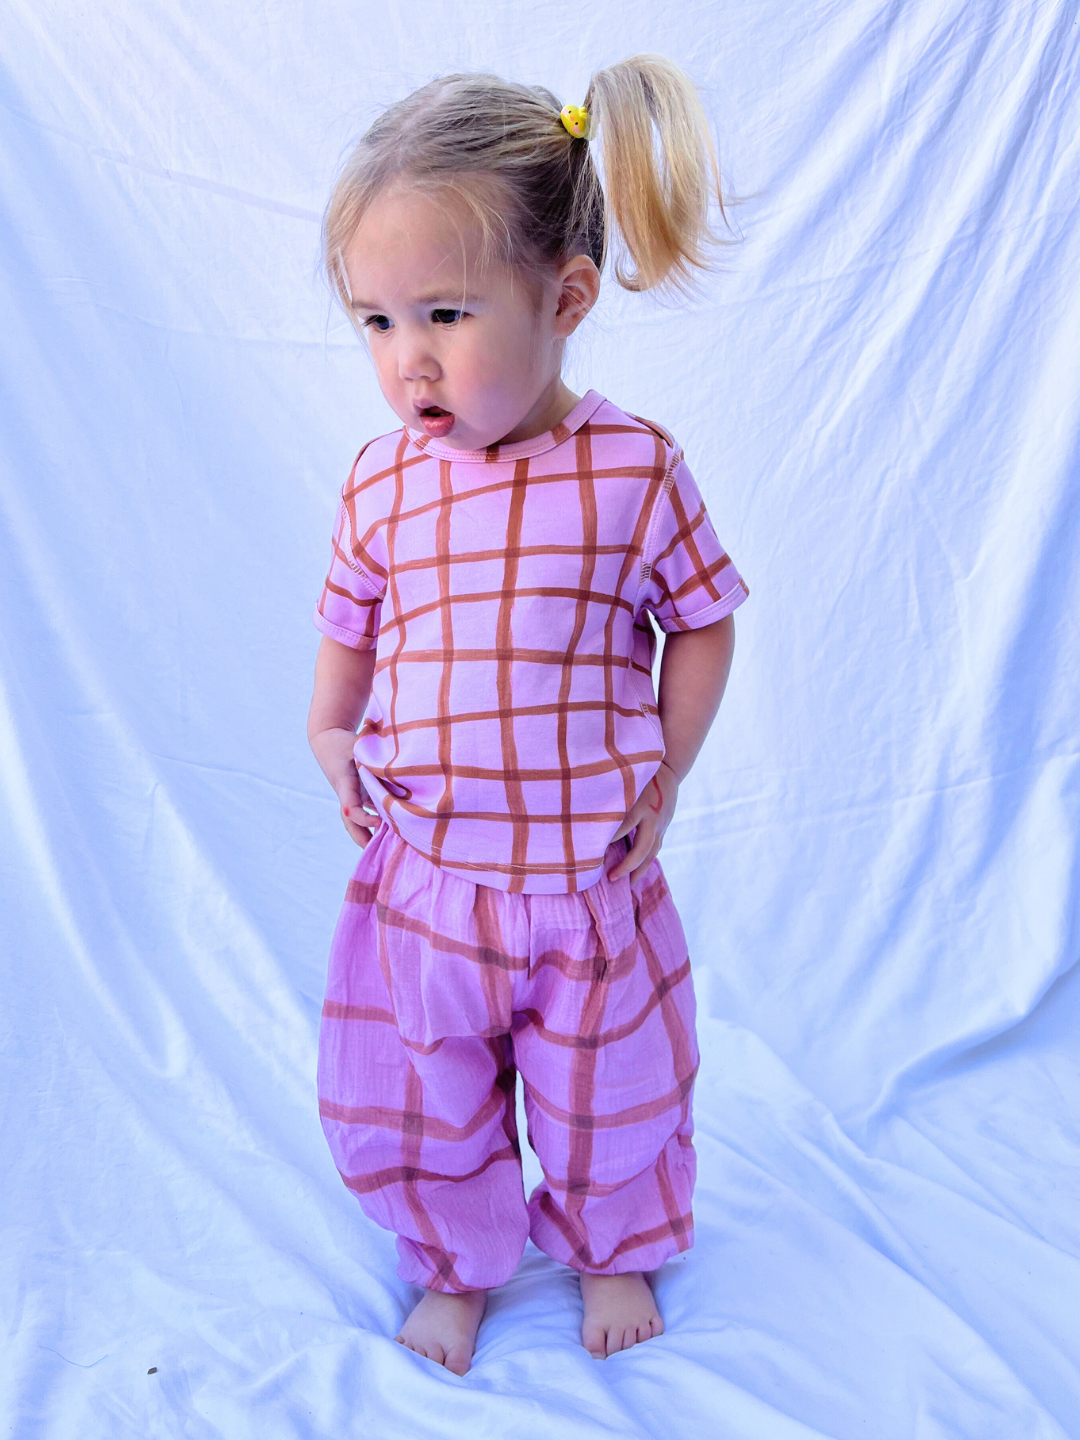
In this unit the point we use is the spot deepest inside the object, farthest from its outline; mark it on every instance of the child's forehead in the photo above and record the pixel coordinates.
(418, 249)
(419, 226)
(409, 239)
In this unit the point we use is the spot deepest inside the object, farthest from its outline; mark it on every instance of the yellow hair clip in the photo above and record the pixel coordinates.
(576, 120)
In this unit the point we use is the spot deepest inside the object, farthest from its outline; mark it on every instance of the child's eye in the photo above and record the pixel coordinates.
(380, 322)
(446, 317)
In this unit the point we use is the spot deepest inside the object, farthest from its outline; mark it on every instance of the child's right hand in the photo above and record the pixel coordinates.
(334, 752)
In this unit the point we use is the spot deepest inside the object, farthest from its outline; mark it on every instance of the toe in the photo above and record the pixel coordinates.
(458, 1360)
(594, 1340)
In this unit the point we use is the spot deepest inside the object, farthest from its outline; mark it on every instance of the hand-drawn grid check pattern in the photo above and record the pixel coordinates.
(439, 990)
(513, 722)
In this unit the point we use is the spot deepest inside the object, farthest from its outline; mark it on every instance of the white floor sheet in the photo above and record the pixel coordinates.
(875, 856)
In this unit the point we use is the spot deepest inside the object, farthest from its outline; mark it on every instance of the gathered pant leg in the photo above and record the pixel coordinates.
(438, 991)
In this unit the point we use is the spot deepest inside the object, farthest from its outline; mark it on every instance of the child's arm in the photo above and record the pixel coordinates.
(693, 674)
(342, 687)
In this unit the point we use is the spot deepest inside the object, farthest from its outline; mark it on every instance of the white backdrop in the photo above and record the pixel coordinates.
(875, 856)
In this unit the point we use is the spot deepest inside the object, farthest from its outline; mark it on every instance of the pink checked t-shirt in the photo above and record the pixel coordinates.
(512, 720)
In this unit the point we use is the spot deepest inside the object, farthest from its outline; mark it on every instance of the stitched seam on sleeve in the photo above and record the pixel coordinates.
(350, 556)
(662, 498)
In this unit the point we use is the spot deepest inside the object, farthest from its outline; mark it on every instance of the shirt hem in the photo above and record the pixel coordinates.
(718, 610)
(498, 880)
(341, 635)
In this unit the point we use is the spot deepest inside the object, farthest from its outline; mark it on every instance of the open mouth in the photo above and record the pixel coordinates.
(437, 421)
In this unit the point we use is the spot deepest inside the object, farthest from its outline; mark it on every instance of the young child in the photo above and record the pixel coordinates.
(487, 617)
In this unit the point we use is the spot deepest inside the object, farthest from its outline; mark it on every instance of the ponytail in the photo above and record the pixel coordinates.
(660, 170)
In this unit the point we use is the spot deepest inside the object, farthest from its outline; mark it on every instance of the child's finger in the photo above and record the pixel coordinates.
(356, 815)
(635, 817)
(638, 850)
(359, 826)
(357, 811)
(654, 850)
(349, 792)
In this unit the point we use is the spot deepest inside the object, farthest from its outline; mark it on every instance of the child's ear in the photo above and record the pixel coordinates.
(579, 287)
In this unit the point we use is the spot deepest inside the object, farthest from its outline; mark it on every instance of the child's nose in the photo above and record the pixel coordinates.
(416, 361)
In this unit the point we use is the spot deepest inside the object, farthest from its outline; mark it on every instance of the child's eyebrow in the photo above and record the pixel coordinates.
(456, 297)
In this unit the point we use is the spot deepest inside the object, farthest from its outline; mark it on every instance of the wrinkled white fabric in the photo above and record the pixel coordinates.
(875, 856)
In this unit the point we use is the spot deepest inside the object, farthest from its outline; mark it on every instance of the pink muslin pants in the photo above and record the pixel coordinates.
(439, 991)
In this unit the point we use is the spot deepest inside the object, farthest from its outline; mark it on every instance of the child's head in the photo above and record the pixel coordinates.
(466, 234)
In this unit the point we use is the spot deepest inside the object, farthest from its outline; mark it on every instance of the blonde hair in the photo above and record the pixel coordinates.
(501, 148)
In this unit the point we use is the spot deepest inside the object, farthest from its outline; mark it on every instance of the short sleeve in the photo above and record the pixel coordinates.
(349, 606)
(689, 579)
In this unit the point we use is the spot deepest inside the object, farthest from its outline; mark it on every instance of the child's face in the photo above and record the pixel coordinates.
(469, 352)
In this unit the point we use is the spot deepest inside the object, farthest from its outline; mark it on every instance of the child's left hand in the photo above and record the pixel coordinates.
(650, 815)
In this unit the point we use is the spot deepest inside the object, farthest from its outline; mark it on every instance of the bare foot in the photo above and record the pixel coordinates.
(619, 1311)
(443, 1327)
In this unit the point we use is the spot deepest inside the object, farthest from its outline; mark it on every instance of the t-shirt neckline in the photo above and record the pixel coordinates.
(589, 403)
